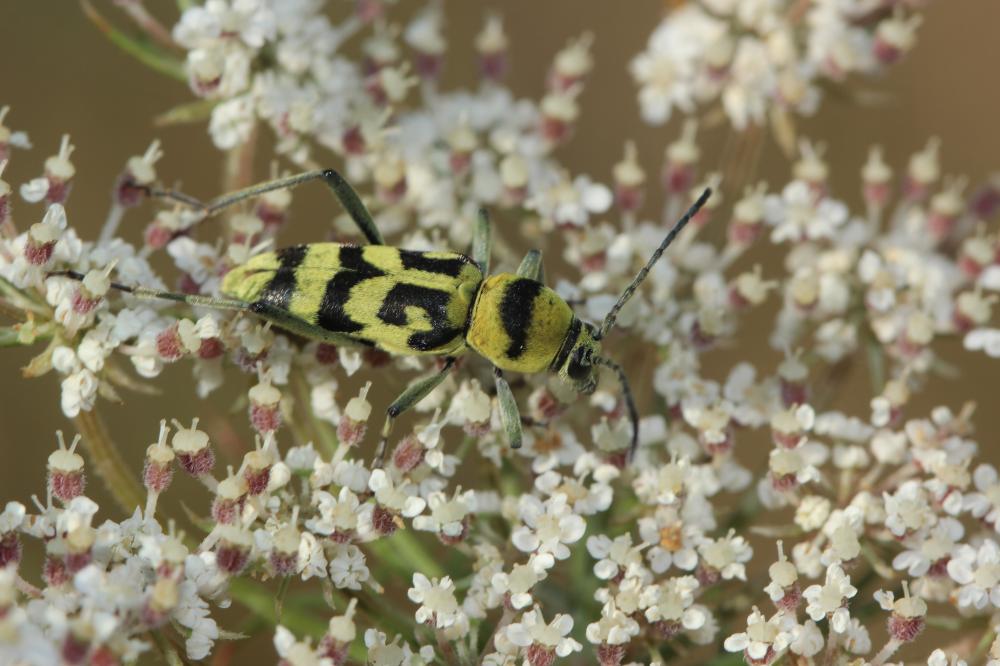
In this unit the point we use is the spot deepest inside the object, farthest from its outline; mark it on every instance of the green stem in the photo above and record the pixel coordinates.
(107, 462)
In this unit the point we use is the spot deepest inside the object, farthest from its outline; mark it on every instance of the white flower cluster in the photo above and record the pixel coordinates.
(567, 542)
(762, 58)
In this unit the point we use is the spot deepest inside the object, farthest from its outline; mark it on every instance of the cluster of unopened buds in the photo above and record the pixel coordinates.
(452, 547)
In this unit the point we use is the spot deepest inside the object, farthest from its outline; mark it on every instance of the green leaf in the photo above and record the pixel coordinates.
(144, 52)
(182, 114)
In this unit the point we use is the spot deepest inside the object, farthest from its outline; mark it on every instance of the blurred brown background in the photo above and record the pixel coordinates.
(61, 76)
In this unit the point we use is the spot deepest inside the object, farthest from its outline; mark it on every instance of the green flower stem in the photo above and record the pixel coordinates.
(106, 460)
(404, 553)
(142, 51)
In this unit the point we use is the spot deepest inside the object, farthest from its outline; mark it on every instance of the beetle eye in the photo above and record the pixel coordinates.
(579, 366)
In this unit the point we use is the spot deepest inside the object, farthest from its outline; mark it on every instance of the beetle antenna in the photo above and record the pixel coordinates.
(609, 321)
(633, 413)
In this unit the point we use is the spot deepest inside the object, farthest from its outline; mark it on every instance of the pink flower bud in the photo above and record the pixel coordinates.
(169, 345)
(491, 45)
(408, 453)
(158, 470)
(193, 450)
(139, 174)
(257, 468)
(232, 552)
(541, 655)
(230, 496)
(265, 412)
(354, 422)
(65, 467)
(326, 354)
(571, 64)
(385, 521)
(610, 655)
(10, 550)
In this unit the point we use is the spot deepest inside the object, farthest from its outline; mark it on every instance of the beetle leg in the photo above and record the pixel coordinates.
(146, 293)
(342, 190)
(531, 266)
(285, 320)
(509, 415)
(482, 242)
(413, 394)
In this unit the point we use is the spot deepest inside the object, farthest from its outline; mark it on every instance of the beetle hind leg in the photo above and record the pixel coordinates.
(349, 199)
(413, 394)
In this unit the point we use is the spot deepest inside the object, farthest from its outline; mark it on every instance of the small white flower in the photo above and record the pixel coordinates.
(547, 527)
(438, 606)
(828, 600)
(763, 641)
(533, 630)
(977, 570)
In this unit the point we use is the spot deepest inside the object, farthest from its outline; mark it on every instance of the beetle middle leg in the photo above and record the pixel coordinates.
(341, 189)
(413, 394)
(510, 417)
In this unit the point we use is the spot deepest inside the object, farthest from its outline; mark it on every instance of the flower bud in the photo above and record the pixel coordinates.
(55, 185)
(42, 236)
(793, 374)
(785, 576)
(79, 543)
(409, 453)
(265, 412)
(682, 156)
(65, 467)
(232, 552)
(559, 113)
(924, 168)
(354, 422)
(284, 557)
(230, 495)
(571, 64)
(257, 466)
(629, 180)
(139, 174)
(972, 309)
(193, 449)
(462, 142)
(895, 36)
(875, 177)
(163, 599)
(750, 289)
(811, 168)
(491, 45)
(389, 175)
(158, 470)
(514, 176)
(425, 37)
(946, 206)
(748, 217)
(92, 289)
(907, 618)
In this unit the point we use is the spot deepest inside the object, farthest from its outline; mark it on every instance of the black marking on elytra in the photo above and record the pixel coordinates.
(569, 342)
(352, 270)
(516, 310)
(279, 290)
(421, 262)
(434, 303)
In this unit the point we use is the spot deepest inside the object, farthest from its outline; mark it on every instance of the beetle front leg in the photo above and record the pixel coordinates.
(413, 394)
(510, 417)
(531, 266)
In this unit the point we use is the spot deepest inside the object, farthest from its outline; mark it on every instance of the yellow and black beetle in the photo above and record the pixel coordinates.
(427, 303)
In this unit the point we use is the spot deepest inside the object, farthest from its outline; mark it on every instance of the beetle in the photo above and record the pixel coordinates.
(418, 303)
